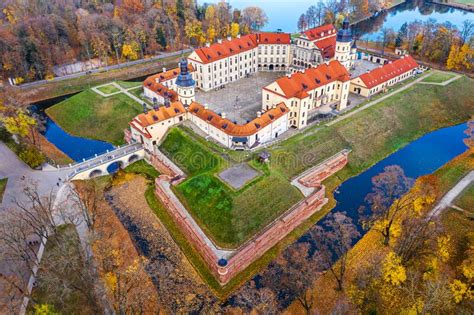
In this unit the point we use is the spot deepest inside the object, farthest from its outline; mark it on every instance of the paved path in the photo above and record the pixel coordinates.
(452, 194)
(112, 67)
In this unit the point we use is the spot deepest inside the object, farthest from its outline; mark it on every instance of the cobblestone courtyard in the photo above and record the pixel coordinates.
(240, 100)
(238, 175)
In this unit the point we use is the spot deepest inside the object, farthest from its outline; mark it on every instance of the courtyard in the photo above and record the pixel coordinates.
(238, 175)
(240, 100)
(363, 66)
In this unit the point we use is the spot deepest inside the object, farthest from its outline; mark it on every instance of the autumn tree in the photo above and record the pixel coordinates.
(254, 17)
(302, 22)
(333, 238)
(261, 300)
(387, 202)
(294, 273)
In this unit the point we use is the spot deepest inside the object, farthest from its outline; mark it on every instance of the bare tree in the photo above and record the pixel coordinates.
(387, 35)
(386, 204)
(254, 17)
(262, 300)
(467, 31)
(333, 239)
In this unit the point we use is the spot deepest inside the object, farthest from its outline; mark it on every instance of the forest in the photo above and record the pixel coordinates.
(36, 36)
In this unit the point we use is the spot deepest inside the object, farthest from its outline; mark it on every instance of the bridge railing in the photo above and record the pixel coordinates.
(103, 158)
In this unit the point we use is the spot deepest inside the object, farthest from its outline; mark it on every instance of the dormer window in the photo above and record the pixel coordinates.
(257, 125)
(209, 118)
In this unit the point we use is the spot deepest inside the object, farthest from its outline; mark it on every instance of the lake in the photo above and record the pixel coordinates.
(284, 14)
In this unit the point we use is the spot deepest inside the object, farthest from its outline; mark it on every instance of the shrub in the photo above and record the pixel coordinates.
(31, 156)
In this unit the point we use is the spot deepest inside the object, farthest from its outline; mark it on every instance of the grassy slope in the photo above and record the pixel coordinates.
(90, 115)
(466, 200)
(129, 84)
(3, 186)
(229, 217)
(381, 129)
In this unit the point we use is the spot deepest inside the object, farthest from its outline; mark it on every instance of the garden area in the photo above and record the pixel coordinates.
(438, 77)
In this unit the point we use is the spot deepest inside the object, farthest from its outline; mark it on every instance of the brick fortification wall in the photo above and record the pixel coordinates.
(269, 237)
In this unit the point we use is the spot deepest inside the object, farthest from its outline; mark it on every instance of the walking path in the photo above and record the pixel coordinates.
(121, 90)
(452, 194)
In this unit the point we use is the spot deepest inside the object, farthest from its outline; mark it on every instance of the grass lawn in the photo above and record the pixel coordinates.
(466, 199)
(229, 217)
(142, 167)
(3, 186)
(438, 77)
(108, 89)
(70, 302)
(90, 115)
(471, 2)
(129, 84)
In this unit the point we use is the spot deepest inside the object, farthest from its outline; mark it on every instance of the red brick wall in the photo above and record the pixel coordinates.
(266, 239)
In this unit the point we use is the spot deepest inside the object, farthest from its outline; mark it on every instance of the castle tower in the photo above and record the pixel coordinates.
(185, 84)
(343, 45)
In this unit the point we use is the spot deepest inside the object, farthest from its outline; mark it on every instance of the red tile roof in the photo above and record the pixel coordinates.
(298, 83)
(168, 75)
(388, 71)
(320, 31)
(233, 129)
(327, 46)
(159, 88)
(273, 38)
(227, 48)
(237, 45)
(162, 113)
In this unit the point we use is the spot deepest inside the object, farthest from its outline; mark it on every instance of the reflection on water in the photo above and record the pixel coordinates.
(408, 12)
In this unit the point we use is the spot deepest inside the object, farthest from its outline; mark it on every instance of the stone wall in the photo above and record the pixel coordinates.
(253, 249)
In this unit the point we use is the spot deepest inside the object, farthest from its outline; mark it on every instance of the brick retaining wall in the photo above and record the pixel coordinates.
(266, 239)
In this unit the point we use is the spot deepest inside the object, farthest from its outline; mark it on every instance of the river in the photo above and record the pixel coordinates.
(284, 14)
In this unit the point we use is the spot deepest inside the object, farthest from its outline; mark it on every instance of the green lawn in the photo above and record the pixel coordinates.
(438, 77)
(108, 89)
(466, 199)
(3, 186)
(129, 84)
(229, 217)
(375, 132)
(142, 167)
(471, 2)
(90, 115)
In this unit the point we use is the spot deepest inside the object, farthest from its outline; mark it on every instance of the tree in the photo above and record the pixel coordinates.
(401, 35)
(160, 37)
(254, 17)
(386, 37)
(302, 23)
(386, 201)
(262, 300)
(467, 31)
(234, 29)
(294, 273)
(333, 239)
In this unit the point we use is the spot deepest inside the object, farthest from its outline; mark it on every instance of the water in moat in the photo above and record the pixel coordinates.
(76, 148)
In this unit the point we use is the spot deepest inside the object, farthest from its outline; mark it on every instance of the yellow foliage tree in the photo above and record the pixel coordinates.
(193, 31)
(211, 34)
(21, 124)
(444, 248)
(234, 29)
(129, 52)
(460, 291)
(392, 270)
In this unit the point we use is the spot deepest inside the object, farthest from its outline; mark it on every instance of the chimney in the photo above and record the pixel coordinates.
(238, 35)
(164, 69)
(206, 106)
(229, 38)
(259, 114)
(274, 106)
(223, 115)
(219, 41)
(208, 44)
(145, 109)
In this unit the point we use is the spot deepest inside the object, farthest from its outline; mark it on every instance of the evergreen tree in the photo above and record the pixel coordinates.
(160, 37)
(180, 9)
(402, 34)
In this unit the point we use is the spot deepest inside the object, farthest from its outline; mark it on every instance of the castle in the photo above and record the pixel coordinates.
(317, 62)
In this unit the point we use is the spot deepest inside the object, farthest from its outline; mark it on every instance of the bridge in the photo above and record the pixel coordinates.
(100, 164)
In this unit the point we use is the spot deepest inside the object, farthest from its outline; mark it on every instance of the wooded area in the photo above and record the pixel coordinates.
(36, 36)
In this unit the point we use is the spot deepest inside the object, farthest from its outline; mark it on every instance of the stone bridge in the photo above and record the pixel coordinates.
(101, 165)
